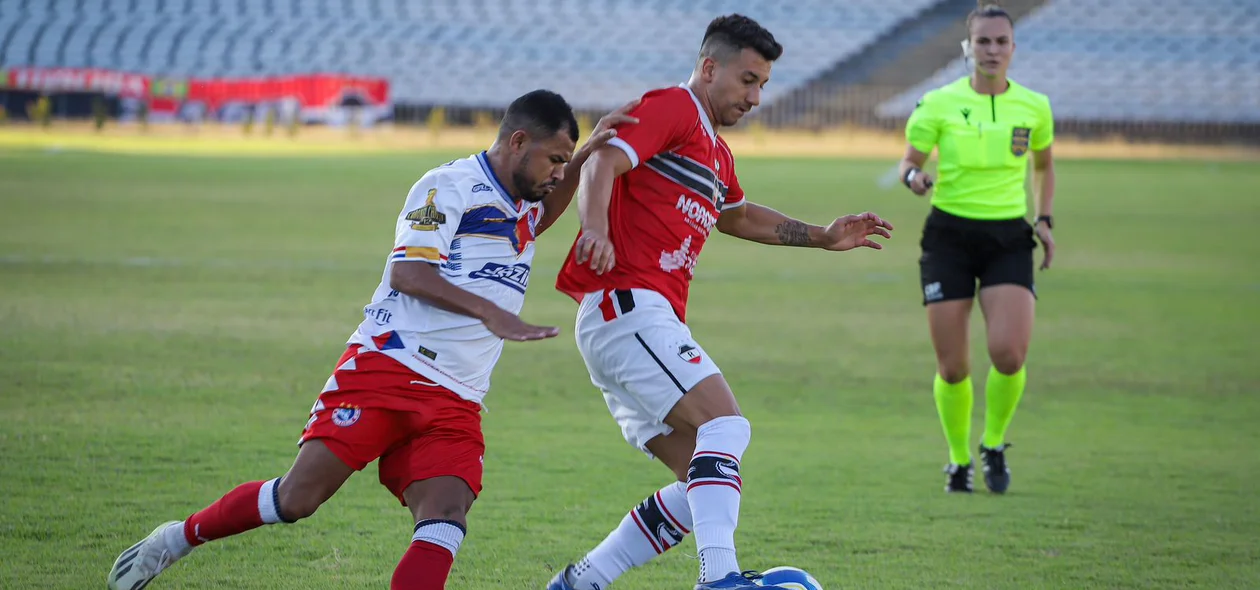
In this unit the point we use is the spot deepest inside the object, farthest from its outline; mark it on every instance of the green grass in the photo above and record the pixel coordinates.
(166, 323)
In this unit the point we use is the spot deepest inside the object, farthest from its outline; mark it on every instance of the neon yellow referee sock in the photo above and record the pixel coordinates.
(1001, 396)
(953, 403)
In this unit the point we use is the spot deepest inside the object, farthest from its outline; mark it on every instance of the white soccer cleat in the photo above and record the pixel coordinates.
(139, 564)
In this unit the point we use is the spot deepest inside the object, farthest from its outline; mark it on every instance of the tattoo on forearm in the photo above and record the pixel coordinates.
(793, 233)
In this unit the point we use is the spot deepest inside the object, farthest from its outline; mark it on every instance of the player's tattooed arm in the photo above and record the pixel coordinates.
(793, 233)
(758, 223)
(762, 224)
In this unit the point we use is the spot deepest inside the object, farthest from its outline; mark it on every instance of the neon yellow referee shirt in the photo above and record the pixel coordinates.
(984, 142)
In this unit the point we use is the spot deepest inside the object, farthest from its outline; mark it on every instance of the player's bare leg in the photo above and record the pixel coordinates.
(440, 507)
(315, 476)
(655, 525)
(1008, 312)
(948, 324)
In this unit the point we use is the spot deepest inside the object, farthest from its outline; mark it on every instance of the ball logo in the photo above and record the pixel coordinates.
(346, 415)
(689, 353)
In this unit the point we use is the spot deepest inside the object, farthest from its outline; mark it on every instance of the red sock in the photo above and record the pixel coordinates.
(247, 507)
(427, 562)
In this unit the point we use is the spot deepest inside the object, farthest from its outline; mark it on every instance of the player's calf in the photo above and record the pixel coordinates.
(440, 506)
(316, 475)
(659, 523)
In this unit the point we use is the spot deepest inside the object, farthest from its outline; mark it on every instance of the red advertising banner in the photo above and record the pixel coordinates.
(313, 97)
(77, 80)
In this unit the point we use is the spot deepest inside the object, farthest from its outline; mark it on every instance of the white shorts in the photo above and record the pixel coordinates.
(641, 357)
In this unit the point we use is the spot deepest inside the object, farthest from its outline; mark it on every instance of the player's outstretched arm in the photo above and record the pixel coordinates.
(421, 280)
(594, 195)
(558, 201)
(758, 223)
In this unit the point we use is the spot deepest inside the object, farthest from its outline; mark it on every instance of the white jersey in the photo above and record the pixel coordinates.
(459, 217)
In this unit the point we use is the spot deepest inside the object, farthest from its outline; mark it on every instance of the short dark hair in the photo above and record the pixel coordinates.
(541, 114)
(730, 34)
(988, 9)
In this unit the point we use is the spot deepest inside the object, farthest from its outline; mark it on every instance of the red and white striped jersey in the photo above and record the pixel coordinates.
(663, 210)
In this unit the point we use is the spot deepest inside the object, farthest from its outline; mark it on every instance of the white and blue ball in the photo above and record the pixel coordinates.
(789, 577)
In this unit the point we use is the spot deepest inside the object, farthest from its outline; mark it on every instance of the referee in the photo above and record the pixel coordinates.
(985, 128)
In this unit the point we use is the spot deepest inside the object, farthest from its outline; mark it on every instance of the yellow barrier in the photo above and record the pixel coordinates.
(229, 140)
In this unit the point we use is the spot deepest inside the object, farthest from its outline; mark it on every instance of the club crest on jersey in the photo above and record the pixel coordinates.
(427, 217)
(689, 353)
(1019, 140)
(515, 276)
(346, 415)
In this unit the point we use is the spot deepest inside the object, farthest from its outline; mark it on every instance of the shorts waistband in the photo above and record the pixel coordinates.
(941, 216)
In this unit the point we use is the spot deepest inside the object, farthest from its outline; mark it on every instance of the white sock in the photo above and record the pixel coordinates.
(650, 529)
(446, 534)
(713, 491)
(176, 543)
(269, 501)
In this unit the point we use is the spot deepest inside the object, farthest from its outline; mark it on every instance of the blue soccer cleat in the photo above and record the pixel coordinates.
(736, 580)
(561, 581)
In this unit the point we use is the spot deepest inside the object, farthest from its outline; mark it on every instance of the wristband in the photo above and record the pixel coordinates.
(909, 177)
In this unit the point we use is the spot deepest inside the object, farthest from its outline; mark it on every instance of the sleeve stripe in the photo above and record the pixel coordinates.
(621, 144)
(423, 253)
(739, 203)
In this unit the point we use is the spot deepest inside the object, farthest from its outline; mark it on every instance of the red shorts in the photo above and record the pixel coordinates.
(380, 409)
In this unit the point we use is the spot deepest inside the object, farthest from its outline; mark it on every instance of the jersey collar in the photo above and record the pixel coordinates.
(498, 186)
(704, 118)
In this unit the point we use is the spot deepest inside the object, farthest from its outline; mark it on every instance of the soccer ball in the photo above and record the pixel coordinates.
(789, 577)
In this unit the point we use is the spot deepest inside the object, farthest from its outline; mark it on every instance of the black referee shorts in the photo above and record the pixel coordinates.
(958, 252)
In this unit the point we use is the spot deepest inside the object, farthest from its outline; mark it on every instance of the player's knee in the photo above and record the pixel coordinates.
(296, 504)
(451, 509)
(1007, 360)
(953, 372)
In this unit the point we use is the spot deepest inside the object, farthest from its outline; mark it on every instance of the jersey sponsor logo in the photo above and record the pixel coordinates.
(426, 352)
(689, 353)
(966, 113)
(481, 187)
(1019, 140)
(379, 315)
(427, 217)
(681, 258)
(346, 415)
(515, 276)
(697, 215)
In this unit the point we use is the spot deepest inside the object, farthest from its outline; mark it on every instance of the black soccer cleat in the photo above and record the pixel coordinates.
(958, 478)
(997, 476)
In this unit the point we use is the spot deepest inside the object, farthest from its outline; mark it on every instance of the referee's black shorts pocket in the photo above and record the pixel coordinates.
(946, 266)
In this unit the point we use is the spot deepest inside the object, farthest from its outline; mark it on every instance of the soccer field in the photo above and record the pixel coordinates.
(166, 323)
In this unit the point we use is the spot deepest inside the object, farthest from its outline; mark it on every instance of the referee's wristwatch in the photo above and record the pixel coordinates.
(909, 177)
(1046, 218)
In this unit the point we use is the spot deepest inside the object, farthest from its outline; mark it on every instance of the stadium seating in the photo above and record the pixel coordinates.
(1133, 60)
(599, 53)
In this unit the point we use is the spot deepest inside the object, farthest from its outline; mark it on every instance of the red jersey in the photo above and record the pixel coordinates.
(662, 211)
